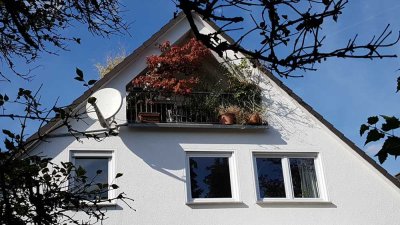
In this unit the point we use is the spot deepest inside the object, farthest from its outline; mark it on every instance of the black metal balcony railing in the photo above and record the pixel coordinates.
(197, 107)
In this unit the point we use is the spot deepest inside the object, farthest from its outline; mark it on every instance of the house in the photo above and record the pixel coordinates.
(298, 169)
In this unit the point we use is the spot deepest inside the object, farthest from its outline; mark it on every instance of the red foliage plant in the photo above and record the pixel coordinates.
(174, 62)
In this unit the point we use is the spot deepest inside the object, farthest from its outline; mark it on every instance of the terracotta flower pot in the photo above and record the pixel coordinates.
(254, 119)
(227, 118)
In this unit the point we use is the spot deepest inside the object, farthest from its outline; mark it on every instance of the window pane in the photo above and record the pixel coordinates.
(304, 178)
(209, 177)
(270, 178)
(92, 165)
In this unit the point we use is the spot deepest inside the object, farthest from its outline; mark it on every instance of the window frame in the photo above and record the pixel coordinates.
(232, 176)
(287, 177)
(104, 154)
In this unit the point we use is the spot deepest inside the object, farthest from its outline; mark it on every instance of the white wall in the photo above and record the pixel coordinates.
(153, 163)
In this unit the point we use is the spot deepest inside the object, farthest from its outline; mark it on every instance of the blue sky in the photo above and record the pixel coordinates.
(345, 92)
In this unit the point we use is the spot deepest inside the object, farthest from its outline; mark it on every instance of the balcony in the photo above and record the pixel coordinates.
(194, 110)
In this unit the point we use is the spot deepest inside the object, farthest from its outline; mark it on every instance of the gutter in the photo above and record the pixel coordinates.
(112, 131)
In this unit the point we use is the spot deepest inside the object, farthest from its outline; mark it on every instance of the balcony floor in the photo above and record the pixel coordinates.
(196, 126)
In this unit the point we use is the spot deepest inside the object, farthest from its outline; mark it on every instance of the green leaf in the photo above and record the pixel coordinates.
(118, 175)
(91, 82)
(8, 144)
(335, 17)
(326, 2)
(264, 41)
(79, 72)
(77, 40)
(99, 171)
(8, 133)
(300, 27)
(391, 123)
(78, 78)
(374, 135)
(80, 172)
(382, 156)
(363, 128)
(91, 100)
(373, 120)
(27, 92)
(114, 186)
(392, 146)
(6, 98)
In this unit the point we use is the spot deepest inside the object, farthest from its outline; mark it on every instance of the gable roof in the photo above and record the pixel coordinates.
(114, 72)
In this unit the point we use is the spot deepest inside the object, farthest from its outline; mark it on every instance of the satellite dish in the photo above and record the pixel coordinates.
(103, 105)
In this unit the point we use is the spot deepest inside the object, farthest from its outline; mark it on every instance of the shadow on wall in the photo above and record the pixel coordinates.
(55, 145)
(162, 149)
(282, 114)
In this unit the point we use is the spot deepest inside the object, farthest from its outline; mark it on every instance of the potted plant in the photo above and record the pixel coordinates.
(227, 115)
(255, 114)
(231, 114)
(255, 118)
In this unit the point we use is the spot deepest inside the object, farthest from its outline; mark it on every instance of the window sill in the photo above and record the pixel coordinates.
(294, 201)
(112, 203)
(102, 204)
(213, 202)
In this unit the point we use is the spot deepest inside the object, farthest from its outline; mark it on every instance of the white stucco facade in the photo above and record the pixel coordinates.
(153, 162)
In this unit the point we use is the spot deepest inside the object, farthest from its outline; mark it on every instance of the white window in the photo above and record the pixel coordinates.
(99, 167)
(289, 177)
(211, 177)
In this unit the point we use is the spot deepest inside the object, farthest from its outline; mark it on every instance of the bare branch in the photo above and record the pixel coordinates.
(283, 28)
